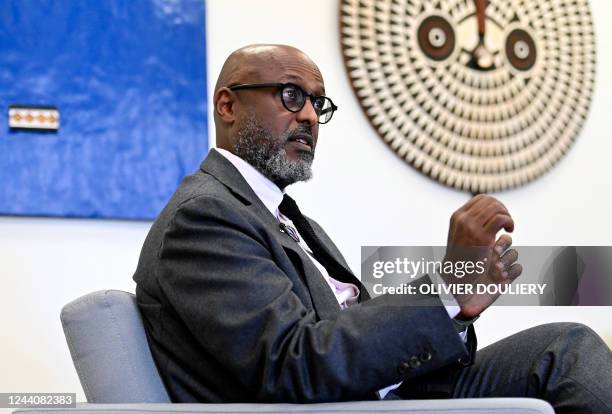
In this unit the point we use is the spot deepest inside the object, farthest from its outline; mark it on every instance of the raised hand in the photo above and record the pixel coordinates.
(472, 237)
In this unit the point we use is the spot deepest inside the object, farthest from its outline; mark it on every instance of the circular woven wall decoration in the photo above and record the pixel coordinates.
(481, 96)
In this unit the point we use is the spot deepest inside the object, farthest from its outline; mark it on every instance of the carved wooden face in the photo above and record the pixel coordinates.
(481, 96)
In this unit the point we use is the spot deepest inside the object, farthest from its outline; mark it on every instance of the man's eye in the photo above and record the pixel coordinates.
(291, 94)
(319, 103)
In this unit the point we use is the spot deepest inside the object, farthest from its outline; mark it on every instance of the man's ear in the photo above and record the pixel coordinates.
(224, 101)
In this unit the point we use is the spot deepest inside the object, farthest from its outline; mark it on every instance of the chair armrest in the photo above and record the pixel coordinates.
(458, 406)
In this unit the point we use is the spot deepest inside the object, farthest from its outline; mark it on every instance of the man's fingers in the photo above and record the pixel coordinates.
(498, 256)
(478, 222)
(490, 211)
(506, 261)
(487, 212)
(480, 202)
(502, 244)
(509, 257)
(513, 272)
(473, 201)
(498, 222)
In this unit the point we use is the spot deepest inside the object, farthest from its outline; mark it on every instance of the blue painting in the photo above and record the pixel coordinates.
(127, 79)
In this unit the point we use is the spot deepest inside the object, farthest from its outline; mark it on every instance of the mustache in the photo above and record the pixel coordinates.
(303, 132)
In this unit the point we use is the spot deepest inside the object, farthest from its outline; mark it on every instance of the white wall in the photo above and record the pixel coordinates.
(362, 194)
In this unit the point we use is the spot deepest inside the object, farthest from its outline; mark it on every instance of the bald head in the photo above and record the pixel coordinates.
(254, 63)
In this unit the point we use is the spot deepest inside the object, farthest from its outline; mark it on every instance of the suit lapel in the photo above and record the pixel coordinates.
(322, 297)
(324, 301)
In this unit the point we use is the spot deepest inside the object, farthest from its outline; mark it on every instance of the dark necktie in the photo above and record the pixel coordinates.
(290, 209)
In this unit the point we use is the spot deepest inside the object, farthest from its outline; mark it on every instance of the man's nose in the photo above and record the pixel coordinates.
(308, 114)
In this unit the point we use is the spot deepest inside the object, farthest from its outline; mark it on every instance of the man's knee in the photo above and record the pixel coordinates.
(560, 328)
(569, 332)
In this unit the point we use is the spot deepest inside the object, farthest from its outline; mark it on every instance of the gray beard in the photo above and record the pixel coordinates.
(266, 153)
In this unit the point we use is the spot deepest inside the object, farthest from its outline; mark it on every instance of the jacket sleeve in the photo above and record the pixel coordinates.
(218, 274)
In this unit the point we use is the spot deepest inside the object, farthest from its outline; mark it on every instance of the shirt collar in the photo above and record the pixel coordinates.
(268, 192)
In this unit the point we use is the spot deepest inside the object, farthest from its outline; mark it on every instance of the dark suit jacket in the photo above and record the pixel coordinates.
(236, 312)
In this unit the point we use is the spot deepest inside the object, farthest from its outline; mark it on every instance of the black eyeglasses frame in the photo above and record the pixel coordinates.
(278, 85)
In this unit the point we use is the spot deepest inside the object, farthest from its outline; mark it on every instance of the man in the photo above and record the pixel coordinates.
(245, 299)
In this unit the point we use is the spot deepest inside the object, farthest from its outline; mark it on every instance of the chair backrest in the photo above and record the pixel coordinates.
(109, 349)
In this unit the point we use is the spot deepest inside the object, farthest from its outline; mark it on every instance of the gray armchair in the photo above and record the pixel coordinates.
(109, 348)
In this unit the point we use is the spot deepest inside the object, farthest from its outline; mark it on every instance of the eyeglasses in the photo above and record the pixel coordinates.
(294, 99)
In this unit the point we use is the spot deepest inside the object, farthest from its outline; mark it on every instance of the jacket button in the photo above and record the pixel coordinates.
(464, 361)
(425, 356)
(414, 362)
(403, 367)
